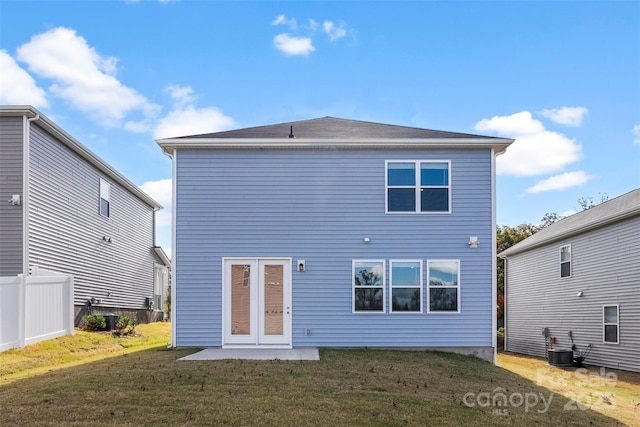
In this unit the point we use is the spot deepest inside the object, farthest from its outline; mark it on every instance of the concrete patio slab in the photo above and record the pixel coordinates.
(302, 353)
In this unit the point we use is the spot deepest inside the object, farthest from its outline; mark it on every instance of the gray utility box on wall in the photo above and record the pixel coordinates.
(561, 357)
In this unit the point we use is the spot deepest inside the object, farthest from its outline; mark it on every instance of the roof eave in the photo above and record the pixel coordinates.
(499, 145)
(162, 255)
(514, 250)
(77, 147)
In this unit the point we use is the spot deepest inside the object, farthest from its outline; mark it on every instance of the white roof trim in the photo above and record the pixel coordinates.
(162, 255)
(170, 144)
(553, 233)
(77, 147)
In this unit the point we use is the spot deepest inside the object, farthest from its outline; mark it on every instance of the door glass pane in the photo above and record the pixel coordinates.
(240, 300)
(273, 298)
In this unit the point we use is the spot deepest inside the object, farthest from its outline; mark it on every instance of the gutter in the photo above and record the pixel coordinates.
(75, 146)
(592, 226)
(168, 145)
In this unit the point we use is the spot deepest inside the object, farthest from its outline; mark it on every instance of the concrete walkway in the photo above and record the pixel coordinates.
(301, 353)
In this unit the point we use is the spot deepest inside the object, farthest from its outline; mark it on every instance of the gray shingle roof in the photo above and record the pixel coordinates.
(331, 127)
(614, 210)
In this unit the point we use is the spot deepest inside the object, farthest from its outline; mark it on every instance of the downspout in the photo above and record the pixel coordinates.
(22, 321)
(174, 160)
(26, 178)
(494, 262)
(504, 312)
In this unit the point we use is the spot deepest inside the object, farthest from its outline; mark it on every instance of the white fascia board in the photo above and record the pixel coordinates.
(514, 250)
(169, 144)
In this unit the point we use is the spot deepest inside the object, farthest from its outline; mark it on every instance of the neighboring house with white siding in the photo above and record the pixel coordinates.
(64, 209)
(338, 233)
(579, 276)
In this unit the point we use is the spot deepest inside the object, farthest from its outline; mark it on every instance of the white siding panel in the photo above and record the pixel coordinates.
(66, 231)
(606, 268)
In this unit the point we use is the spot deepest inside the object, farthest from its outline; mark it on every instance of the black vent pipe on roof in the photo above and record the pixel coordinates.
(291, 133)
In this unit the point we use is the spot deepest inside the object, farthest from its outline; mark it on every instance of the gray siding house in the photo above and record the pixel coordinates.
(580, 278)
(64, 209)
(333, 232)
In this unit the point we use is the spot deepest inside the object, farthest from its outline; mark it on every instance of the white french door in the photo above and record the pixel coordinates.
(257, 301)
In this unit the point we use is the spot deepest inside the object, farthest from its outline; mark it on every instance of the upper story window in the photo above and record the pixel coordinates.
(565, 261)
(418, 186)
(443, 286)
(406, 286)
(105, 197)
(368, 286)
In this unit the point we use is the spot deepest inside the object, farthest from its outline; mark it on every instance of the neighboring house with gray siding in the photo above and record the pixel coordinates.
(338, 233)
(579, 275)
(64, 209)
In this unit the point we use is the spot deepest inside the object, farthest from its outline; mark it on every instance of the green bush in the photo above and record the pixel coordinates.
(95, 322)
(501, 330)
(167, 303)
(125, 326)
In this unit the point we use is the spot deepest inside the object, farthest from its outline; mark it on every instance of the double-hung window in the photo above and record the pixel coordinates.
(368, 286)
(610, 324)
(443, 278)
(406, 286)
(565, 261)
(105, 197)
(418, 186)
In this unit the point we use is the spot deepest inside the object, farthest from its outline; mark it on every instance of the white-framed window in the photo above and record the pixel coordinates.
(565, 261)
(105, 198)
(418, 186)
(368, 277)
(443, 284)
(610, 324)
(405, 278)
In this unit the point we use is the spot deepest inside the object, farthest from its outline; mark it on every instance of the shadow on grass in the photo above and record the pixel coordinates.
(346, 387)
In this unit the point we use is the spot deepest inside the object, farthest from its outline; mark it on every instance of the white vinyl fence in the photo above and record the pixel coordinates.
(35, 308)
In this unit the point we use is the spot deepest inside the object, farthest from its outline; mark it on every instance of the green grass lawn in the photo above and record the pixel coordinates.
(346, 387)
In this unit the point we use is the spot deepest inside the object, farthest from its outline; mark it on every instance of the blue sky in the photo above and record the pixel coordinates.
(563, 78)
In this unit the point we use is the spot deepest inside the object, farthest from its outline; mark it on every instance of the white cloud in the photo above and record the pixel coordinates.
(142, 126)
(83, 77)
(636, 133)
(160, 191)
(182, 95)
(192, 121)
(17, 86)
(569, 116)
(334, 32)
(560, 182)
(520, 124)
(291, 45)
(282, 20)
(536, 151)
